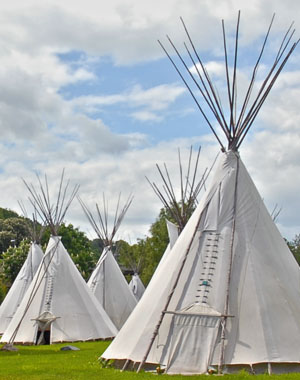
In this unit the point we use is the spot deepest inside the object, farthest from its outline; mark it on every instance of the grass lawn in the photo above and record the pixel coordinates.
(48, 362)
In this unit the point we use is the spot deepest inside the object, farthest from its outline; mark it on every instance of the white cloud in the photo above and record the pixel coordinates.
(148, 101)
(212, 67)
(109, 174)
(128, 30)
(146, 116)
(40, 130)
(157, 98)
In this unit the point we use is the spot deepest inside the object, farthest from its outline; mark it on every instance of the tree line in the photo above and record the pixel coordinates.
(143, 256)
(15, 239)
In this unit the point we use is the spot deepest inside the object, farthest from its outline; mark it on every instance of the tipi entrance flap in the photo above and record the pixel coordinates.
(44, 322)
(192, 342)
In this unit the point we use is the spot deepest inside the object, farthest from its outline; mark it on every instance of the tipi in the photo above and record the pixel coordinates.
(58, 306)
(136, 286)
(173, 233)
(229, 295)
(180, 209)
(107, 281)
(23, 280)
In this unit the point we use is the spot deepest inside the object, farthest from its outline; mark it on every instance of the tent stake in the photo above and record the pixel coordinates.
(125, 365)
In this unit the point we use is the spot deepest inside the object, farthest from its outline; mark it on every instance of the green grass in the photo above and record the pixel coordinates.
(48, 362)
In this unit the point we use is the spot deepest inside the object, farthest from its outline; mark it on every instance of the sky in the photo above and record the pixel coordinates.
(85, 86)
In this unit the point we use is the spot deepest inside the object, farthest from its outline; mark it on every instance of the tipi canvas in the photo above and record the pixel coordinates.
(136, 286)
(172, 233)
(229, 294)
(111, 289)
(18, 289)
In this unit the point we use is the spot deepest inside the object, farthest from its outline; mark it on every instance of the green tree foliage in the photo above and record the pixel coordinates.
(294, 246)
(3, 290)
(82, 252)
(12, 232)
(6, 240)
(128, 257)
(5, 213)
(147, 252)
(12, 261)
(97, 246)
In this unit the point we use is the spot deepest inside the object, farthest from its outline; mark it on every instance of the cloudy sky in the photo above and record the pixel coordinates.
(86, 87)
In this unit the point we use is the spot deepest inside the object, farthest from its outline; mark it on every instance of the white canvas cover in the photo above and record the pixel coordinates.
(111, 289)
(172, 232)
(173, 235)
(230, 243)
(136, 286)
(59, 290)
(20, 285)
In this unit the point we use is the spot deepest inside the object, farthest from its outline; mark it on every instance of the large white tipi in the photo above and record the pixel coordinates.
(58, 305)
(107, 281)
(227, 296)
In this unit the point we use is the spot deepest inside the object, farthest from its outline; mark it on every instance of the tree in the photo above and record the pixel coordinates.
(12, 231)
(12, 261)
(146, 252)
(294, 246)
(3, 290)
(5, 213)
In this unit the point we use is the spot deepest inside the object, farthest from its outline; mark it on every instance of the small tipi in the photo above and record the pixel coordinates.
(172, 233)
(107, 281)
(23, 280)
(229, 295)
(180, 209)
(136, 286)
(58, 306)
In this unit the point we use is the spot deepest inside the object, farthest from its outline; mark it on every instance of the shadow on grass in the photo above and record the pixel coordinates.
(25, 352)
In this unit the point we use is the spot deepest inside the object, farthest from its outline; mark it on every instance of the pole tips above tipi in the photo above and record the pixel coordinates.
(238, 115)
(36, 229)
(101, 227)
(181, 208)
(52, 211)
